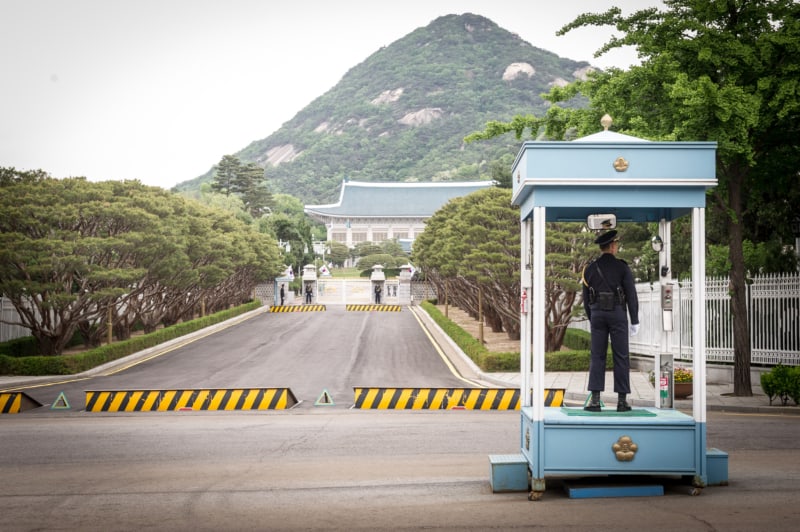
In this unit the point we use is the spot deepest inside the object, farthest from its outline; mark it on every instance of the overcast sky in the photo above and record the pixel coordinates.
(160, 90)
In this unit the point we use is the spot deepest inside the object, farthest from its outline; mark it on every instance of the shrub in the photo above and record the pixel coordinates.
(782, 381)
(794, 384)
(27, 346)
(77, 363)
(577, 360)
(500, 362)
(578, 339)
(20, 347)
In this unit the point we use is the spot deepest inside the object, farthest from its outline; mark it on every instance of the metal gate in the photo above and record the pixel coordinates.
(335, 291)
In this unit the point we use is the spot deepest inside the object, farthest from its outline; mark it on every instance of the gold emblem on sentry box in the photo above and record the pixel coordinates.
(624, 449)
(620, 164)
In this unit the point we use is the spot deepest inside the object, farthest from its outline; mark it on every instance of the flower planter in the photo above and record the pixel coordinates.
(682, 390)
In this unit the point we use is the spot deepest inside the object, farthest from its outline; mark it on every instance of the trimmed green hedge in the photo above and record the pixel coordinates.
(20, 347)
(27, 346)
(578, 340)
(77, 363)
(575, 360)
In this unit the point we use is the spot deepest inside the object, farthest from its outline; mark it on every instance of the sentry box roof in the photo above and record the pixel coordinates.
(607, 172)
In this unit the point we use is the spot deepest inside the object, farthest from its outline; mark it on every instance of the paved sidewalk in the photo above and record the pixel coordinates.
(718, 396)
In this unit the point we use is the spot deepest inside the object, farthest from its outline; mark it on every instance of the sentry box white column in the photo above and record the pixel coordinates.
(635, 181)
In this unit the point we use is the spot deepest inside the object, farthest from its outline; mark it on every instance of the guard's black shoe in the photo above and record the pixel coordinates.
(623, 406)
(592, 407)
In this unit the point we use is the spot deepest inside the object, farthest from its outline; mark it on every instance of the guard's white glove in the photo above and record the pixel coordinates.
(634, 329)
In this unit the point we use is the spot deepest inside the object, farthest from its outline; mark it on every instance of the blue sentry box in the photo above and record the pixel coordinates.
(717, 465)
(509, 472)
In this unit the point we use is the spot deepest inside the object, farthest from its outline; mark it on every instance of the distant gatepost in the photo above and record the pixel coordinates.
(404, 289)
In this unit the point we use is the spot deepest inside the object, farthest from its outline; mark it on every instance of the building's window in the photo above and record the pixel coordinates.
(359, 237)
(378, 236)
(337, 236)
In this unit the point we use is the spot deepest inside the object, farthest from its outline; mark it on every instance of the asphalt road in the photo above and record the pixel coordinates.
(332, 468)
(308, 352)
(328, 469)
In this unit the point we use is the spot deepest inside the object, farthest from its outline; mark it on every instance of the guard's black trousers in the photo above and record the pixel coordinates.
(613, 323)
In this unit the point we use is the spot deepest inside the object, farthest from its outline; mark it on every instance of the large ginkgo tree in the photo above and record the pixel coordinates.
(711, 70)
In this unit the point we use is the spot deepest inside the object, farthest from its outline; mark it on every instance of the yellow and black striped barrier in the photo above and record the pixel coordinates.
(195, 399)
(370, 308)
(447, 398)
(16, 402)
(297, 308)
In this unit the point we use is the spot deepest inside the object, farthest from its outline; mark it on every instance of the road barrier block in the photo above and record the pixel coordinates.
(191, 399)
(447, 398)
(297, 308)
(372, 308)
(16, 402)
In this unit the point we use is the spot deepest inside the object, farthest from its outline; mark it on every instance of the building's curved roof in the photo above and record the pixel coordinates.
(395, 200)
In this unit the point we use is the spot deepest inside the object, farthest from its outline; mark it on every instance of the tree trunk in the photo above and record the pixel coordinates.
(53, 344)
(738, 289)
(92, 335)
(492, 318)
(558, 312)
(122, 331)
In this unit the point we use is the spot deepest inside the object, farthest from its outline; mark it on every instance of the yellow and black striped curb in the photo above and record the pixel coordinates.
(370, 308)
(446, 398)
(195, 399)
(297, 308)
(16, 402)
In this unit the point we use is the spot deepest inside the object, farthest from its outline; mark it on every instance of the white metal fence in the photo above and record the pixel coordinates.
(773, 303)
(9, 314)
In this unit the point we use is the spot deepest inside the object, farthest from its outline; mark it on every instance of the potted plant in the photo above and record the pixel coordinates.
(682, 383)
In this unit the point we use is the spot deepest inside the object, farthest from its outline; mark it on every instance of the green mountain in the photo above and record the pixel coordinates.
(402, 114)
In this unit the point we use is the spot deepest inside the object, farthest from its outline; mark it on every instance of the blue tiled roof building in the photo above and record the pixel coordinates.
(374, 212)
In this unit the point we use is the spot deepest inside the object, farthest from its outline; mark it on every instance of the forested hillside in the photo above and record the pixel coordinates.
(403, 113)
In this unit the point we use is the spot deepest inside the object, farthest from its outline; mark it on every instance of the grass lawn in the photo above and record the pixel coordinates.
(345, 272)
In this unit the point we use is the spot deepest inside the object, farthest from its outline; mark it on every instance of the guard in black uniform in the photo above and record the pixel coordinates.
(608, 289)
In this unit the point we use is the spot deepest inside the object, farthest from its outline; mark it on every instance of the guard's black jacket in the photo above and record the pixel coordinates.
(618, 277)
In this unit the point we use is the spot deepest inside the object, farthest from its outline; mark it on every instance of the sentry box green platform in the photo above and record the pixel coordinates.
(605, 179)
